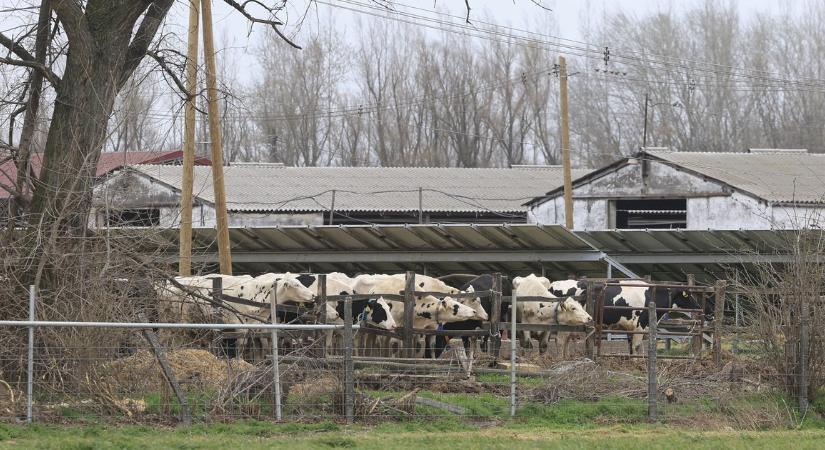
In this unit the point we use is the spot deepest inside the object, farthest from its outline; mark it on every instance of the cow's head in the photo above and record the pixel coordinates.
(332, 314)
(683, 299)
(377, 312)
(566, 312)
(449, 310)
(475, 303)
(291, 290)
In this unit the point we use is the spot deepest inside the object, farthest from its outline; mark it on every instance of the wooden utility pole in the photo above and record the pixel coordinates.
(224, 254)
(185, 263)
(565, 145)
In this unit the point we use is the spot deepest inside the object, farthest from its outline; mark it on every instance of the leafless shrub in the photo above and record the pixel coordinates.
(777, 296)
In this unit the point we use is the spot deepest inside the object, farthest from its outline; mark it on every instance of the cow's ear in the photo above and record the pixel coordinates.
(471, 289)
(685, 294)
(564, 306)
(517, 281)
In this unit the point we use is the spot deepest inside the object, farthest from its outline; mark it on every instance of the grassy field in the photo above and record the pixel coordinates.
(609, 423)
(448, 435)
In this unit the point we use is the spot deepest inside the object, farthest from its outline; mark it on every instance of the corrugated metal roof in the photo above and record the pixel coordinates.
(783, 177)
(462, 248)
(262, 187)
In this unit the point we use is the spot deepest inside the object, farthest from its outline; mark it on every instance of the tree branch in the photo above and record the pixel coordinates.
(143, 37)
(26, 60)
(274, 24)
(168, 70)
(53, 79)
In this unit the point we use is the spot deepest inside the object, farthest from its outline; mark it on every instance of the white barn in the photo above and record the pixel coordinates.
(762, 189)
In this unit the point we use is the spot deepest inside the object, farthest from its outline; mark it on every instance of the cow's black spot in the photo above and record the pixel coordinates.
(421, 284)
(426, 315)
(455, 310)
(306, 279)
(541, 305)
(377, 313)
(343, 293)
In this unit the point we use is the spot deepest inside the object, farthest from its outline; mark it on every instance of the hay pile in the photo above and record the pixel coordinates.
(196, 368)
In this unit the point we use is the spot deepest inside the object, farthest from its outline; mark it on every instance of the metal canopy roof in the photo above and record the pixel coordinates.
(512, 249)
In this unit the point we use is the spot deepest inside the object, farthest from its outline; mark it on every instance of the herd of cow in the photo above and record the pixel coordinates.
(184, 299)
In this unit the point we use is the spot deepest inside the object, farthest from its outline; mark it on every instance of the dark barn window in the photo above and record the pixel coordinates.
(657, 214)
(142, 217)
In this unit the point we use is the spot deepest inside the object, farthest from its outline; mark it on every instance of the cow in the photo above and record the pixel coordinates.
(432, 313)
(557, 310)
(562, 311)
(563, 289)
(625, 294)
(375, 312)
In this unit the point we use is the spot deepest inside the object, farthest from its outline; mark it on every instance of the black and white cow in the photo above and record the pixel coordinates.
(569, 288)
(639, 297)
(480, 283)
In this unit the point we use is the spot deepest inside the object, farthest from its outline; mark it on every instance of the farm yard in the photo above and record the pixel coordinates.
(385, 224)
(206, 386)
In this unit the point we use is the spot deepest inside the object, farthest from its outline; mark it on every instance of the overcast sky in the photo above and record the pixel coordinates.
(233, 30)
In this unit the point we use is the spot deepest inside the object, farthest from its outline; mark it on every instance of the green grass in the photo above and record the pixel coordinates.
(255, 435)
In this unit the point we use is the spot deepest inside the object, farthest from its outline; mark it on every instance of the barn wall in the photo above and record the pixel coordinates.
(709, 204)
(737, 211)
(128, 190)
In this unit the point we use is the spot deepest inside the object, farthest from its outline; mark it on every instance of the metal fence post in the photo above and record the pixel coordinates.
(349, 387)
(30, 371)
(804, 331)
(513, 350)
(276, 370)
(652, 387)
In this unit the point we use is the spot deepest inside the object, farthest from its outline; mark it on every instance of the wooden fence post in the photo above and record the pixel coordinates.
(168, 373)
(321, 307)
(718, 318)
(804, 334)
(217, 316)
(409, 315)
(495, 316)
(696, 341)
(652, 386)
(349, 387)
(589, 344)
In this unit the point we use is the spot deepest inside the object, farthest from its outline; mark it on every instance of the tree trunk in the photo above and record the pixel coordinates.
(76, 137)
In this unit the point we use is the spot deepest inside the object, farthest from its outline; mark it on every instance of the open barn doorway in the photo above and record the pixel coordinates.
(670, 213)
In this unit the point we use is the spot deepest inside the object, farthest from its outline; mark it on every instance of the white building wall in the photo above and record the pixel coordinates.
(710, 205)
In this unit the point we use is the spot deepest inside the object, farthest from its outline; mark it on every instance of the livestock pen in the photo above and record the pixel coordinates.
(149, 372)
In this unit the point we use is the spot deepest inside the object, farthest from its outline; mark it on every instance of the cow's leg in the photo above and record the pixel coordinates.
(637, 341)
(545, 342)
(440, 345)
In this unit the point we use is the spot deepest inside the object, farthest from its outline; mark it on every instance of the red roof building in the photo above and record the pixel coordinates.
(108, 162)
